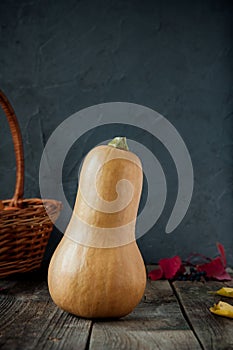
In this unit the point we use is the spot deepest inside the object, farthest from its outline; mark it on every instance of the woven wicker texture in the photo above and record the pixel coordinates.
(25, 224)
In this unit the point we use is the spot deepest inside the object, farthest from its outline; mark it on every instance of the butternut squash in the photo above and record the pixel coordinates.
(97, 270)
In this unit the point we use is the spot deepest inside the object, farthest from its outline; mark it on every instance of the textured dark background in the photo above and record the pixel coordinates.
(57, 57)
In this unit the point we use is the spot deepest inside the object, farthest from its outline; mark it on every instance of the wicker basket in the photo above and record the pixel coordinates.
(25, 226)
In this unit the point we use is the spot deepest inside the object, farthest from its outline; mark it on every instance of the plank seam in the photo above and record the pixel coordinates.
(186, 316)
(89, 336)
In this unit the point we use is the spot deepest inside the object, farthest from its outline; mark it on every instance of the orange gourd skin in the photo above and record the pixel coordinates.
(91, 281)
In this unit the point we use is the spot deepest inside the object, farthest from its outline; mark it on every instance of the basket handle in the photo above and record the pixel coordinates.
(18, 148)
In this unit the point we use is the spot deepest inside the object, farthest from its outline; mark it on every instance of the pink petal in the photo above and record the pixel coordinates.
(156, 274)
(170, 266)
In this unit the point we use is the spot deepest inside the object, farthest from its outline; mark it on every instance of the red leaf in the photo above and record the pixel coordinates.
(215, 269)
(224, 277)
(170, 266)
(156, 274)
(222, 253)
(182, 270)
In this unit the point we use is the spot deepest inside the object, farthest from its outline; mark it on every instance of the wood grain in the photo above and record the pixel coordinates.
(30, 320)
(157, 323)
(172, 316)
(214, 332)
(111, 338)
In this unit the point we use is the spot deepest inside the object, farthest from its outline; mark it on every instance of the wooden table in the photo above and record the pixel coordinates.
(170, 316)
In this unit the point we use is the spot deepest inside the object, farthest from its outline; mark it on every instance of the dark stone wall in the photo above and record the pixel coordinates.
(57, 57)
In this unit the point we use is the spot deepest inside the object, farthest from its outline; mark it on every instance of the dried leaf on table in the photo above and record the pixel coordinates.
(215, 269)
(222, 309)
(170, 266)
(225, 291)
(156, 274)
(222, 253)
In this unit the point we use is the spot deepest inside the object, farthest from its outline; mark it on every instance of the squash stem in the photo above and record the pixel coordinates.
(119, 142)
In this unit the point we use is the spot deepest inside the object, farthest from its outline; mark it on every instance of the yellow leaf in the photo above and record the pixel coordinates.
(222, 309)
(226, 292)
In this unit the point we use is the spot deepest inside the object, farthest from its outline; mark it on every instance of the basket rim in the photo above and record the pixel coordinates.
(34, 199)
(27, 203)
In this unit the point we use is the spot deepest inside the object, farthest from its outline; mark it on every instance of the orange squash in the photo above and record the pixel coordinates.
(97, 270)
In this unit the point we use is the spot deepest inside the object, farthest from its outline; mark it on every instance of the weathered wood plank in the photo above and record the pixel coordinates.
(30, 320)
(214, 332)
(26, 286)
(112, 338)
(157, 323)
(39, 325)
